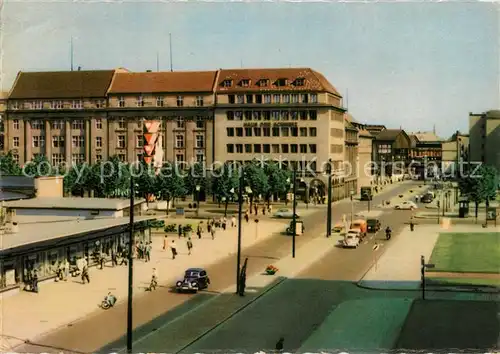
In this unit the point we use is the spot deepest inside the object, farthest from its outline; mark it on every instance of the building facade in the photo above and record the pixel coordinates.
(351, 157)
(391, 149)
(484, 137)
(454, 152)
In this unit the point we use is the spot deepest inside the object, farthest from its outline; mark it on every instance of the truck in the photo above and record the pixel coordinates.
(366, 193)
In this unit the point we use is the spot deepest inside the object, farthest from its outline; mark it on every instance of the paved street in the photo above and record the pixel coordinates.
(149, 306)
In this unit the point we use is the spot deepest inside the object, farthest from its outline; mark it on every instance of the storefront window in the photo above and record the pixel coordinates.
(52, 262)
(9, 274)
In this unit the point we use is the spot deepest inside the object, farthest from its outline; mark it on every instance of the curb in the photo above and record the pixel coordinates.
(265, 291)
(432, 288)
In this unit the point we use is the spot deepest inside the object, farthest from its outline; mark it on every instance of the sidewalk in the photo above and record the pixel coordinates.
(27, 315)
(399, 266)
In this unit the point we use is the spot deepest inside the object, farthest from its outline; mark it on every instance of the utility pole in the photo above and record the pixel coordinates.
(329, 201)
(294, 218)
(170, 45)
(240, 211)
(130, 268)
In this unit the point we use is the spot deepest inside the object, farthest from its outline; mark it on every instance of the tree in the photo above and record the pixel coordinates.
(480, 186)
(9, 166)
(197, 176)
(256, 179)
(39, 166)
(146, 180)
(226, 180)
(114, 177)
(279, 180)
(169, 184)
(77, 179)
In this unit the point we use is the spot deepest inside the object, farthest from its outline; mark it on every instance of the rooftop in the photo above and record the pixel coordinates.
(427, 137)
(34, 233)
(72, 203)
(6, 195)
(388, 134)
(159, 82)
(61, 84)
(294, 79)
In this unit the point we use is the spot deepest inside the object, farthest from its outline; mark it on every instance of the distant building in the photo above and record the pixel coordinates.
(391, 148)
(484, 137)
(454, 151)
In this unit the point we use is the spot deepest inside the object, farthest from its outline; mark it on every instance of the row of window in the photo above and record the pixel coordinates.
(38, 141)
(273, 98)
(160, 101)
(300, 81)
(272, 115)
(56, 104)
(79, 124)
(274, 131)
(271, 148)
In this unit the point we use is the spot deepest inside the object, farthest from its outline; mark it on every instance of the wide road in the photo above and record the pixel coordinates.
(96, 331)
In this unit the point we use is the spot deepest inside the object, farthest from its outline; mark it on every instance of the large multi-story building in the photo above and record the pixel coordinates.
(292, 115)
(484, 135)
(455, 151)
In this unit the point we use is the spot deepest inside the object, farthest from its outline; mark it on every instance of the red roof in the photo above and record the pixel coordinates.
(245, 80)
(177, 81)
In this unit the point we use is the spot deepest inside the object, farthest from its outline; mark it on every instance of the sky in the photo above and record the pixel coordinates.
(410, 64)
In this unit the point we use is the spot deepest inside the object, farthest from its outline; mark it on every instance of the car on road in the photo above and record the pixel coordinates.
(339, 228)
(373, 225)
(194, 279)
(426, 198)
(408, 205)
(285, 213)
(352, 239)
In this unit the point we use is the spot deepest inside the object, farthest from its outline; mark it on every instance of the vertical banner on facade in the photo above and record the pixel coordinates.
(152, 143)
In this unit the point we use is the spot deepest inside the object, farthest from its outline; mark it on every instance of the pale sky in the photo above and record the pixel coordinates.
(408, 64)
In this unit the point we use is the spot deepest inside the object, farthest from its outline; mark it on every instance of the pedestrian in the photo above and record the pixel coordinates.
(173, 248)
(66, 269)
(179, 230)
(224, 223)
(264, 209)
(85, 274)
(148, 249)
(213, 233)
(114, 260)
(140, 250)
(124, 256)
(189, 245)
(233, 221)
(246, 216)
(34, 281)
(102, 260)
(199, 230)
(256, 208)
(165, 242)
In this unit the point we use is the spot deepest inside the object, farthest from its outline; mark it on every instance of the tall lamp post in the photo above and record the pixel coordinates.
(130, 267)
(329, 206)
(197, 199)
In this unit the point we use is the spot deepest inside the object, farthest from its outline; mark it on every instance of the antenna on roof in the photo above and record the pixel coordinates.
(157, 61)
(71, 53)
(170, 44)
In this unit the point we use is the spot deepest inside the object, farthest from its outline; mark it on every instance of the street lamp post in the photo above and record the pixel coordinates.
(130, 267)
(329, 206)
(198, 188)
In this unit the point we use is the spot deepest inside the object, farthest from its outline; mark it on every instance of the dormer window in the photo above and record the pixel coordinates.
(281, 82)
(227, 83)
(264, 82)
(245, 83)
(300, 81)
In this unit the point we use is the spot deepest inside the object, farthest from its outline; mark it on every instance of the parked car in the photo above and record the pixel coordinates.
(408, 205)
(194, 279)
(426, 198)
(285, 213)
(338, 228)
(352, 239)
(373, 225)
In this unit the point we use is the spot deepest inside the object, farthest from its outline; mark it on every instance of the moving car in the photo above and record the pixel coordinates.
(408, 205)
(299, 228)
(351, 239)
(361, 226)
(426, 198)
(285, 213)
(194, 279)
(366, 193)
(373, 225)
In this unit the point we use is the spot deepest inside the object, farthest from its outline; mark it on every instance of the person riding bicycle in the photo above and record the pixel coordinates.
(388, 232)
(154, 279)
(110, 299)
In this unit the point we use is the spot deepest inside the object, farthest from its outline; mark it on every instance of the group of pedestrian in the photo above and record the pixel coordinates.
(31, 282)
(143, 250)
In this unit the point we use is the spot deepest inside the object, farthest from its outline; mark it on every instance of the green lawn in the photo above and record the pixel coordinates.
(467, 252)
(465, 281)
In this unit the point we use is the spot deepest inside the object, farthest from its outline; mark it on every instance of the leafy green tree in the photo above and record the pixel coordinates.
(279, 180)
(169, 183)
(94, 182)
(226, 180)
(114, 177)
(145, 178)
(9, 166)
(39, 166)
(197, 175)
(480, 186)
(76, 179)
(256, 178)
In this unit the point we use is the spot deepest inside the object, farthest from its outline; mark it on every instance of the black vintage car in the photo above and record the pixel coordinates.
(427, 198)
(194, 279)
(373, 225)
